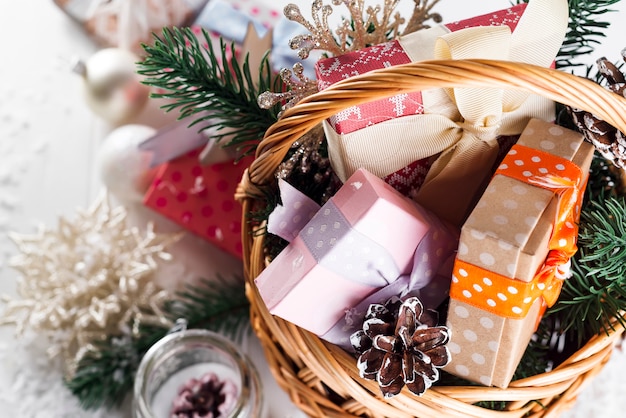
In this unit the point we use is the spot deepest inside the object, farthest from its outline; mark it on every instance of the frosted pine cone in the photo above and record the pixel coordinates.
(401, 344)
(609, 141)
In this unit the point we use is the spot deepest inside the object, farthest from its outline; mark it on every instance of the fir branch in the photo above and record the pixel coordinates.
(587, 26)
(211, 86)
(104, 378)
(216, 305)
(597, 291)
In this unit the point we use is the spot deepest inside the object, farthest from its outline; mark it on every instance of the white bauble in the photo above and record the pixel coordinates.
(112, 86)
(124, 168)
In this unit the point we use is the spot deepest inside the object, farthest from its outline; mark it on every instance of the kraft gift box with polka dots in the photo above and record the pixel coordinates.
(367, 244)
(200, 198)
(514, 252)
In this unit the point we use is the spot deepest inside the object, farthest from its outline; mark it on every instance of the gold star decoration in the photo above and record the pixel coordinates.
(86, 280)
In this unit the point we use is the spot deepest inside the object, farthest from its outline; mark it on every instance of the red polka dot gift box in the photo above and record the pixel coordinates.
(200, 198)
(514, 252)
(452, 132)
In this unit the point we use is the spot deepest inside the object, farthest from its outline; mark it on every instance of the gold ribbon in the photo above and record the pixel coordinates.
(463, 135)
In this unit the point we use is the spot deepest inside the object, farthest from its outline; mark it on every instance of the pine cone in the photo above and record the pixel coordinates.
(207, 397)
(609, 141)
(401, 344)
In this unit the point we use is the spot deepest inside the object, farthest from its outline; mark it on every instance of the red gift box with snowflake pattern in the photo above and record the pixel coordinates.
(332, 70)
(408, 179)
(200, 198)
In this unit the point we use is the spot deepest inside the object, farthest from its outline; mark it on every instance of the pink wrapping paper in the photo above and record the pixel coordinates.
(366, 244)
(128, 23)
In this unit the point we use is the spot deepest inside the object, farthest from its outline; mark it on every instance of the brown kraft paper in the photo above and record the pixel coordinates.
(508, 233)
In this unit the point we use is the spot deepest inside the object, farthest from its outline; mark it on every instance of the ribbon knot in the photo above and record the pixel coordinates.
(555, 270)
(557, 266)
(484, 133)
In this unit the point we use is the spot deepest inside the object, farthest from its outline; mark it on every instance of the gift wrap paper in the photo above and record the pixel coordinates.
(455, 129)
(366, 244)
(200, 198)
(507, 238)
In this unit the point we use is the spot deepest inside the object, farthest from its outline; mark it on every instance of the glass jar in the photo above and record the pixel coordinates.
(189, 354)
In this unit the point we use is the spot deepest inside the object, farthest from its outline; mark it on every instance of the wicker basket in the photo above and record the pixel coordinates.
(321, 378)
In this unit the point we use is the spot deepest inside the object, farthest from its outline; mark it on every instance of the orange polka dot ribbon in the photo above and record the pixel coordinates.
(513, 298)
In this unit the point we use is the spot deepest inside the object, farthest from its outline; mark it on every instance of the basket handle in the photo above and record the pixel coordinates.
(555, 85)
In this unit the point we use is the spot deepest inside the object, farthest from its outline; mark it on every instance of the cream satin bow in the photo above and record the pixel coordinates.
(464, 134)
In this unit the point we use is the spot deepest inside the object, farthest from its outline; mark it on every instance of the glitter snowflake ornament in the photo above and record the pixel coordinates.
(87, 280)
(366, 26)
(298, 85)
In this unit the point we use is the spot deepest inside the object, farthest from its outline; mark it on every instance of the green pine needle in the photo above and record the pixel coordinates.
(597, 291)
(105, 378)
(218, 305)
(211, 86)
(586, 29)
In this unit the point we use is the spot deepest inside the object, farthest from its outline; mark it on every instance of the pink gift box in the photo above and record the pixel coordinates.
(360, 245)
(201, 198)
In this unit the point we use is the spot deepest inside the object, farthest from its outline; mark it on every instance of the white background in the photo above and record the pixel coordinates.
(49, 142)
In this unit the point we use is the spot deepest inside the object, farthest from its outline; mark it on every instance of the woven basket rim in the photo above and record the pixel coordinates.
(301, 362)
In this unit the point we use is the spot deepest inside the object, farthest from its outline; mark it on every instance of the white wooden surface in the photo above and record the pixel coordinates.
(49, 141)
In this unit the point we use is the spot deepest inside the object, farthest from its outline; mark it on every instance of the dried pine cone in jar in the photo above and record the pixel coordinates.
(207, 397)
(401, 344)
(609, 141)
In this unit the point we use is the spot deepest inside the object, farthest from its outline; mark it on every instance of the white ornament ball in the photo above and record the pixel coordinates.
(112, 87)
(124, 168)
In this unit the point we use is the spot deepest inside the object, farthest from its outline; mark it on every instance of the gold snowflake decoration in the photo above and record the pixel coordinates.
(299, 86)
(87, 280)
(366, 25)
